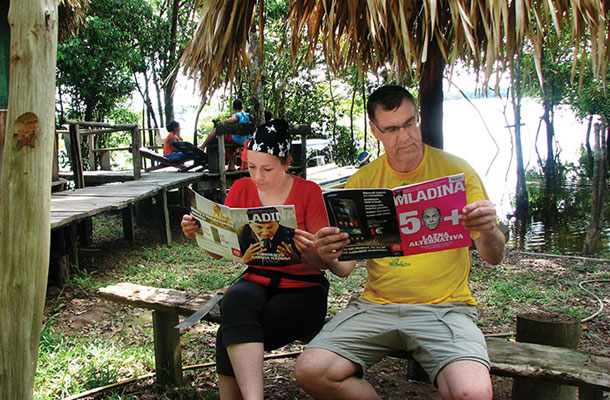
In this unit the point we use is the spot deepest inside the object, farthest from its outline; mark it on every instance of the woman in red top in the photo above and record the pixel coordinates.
(271, 305)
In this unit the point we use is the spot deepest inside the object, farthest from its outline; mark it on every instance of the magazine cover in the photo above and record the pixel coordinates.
(369, 217)
(260, 236)
(430, 215)
(412, 219)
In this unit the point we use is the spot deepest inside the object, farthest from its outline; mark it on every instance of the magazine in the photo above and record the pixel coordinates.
(413, 219)
(260, 236)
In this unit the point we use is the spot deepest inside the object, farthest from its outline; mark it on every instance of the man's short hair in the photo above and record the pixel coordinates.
(237, 105)
(389, 97)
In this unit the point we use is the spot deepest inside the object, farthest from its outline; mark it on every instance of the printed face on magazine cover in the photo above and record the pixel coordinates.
(265, 230)
(266, 170)
(398, 131)
(431, 218)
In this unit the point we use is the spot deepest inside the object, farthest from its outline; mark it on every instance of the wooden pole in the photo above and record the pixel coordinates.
(553, 330)
(137, 159)
(26, 192)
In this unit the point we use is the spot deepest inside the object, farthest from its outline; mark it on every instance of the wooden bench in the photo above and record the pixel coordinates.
(589, 372)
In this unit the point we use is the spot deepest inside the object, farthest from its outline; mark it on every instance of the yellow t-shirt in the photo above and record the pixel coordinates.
(432, 278)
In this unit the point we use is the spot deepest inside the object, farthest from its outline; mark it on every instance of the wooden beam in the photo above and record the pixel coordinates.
(126, 127)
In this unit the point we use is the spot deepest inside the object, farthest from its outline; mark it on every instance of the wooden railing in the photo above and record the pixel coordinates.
(89, 129)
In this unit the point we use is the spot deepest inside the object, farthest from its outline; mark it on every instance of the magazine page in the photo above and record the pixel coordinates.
(259, 236)
(217, 233)
(266, 235)
(430, 215)
(368, 216)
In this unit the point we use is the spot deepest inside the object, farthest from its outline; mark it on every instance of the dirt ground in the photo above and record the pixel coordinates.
(83, 313)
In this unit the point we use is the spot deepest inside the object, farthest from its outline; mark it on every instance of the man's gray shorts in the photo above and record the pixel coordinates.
(435, 334)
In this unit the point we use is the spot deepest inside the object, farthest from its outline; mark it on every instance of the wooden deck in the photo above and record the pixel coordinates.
(73, 205)
(71, 211)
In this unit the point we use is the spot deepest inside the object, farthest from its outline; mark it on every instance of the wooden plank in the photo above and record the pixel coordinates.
(538, 361)
(160, 299)
(88, 204)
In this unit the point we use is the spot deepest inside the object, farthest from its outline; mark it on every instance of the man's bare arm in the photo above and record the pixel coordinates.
(480, 216)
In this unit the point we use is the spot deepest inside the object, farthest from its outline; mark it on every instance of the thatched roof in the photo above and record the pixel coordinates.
(72, 14)
(376, 33)
(219, 46)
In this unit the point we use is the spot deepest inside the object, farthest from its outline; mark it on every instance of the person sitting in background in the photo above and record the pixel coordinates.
(238, 116)
(173, 136)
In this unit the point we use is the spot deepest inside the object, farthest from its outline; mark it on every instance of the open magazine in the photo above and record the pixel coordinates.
(406, 220)
(263, 236)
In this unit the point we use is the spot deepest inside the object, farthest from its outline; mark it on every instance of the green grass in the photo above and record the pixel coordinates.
(73, 364)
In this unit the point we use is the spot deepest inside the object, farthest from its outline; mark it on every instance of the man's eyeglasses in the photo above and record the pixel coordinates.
(390, 130)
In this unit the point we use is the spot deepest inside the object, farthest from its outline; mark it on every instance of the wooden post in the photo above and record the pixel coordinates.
(168, 357)
(163, 212)
(25, 216)
(135, 146)
(77, 161)
(221, 165)
(105, 160)
(91, 143)
(2, 130)
(59, 266)
(128, 230)
(553, 330)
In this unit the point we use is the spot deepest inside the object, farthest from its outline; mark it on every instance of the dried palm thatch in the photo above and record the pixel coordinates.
(219, 47)
(374, 34)
(72, 15)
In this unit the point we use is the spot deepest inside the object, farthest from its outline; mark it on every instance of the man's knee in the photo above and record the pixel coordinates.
(308, 369)
(465, 380)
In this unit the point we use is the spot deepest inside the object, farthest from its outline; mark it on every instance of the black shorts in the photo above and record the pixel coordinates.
(255, 313)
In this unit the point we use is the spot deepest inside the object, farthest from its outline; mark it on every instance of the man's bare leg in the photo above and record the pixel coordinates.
(326, 375)
(465, 380)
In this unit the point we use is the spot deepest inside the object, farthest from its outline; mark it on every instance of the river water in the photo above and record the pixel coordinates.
(477, 132)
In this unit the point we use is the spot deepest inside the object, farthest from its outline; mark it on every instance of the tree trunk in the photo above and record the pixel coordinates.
(522, 206)
(256, 73)
(334, 106)
(431, 97)
(199, 109)
(553, 330)
(170, 80)
(549, 169)
(597, 189)
(26, 192)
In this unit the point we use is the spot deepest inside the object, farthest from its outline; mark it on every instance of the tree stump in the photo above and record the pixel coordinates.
(552, 330)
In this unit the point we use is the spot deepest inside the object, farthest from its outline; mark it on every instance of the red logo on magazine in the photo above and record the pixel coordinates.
(236, 252)
(395, 247)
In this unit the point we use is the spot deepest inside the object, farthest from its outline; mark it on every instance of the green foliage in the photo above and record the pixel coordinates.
(95, 68)
(344, 151)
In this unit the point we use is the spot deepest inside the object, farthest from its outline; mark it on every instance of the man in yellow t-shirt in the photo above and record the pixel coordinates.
(419, 303)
